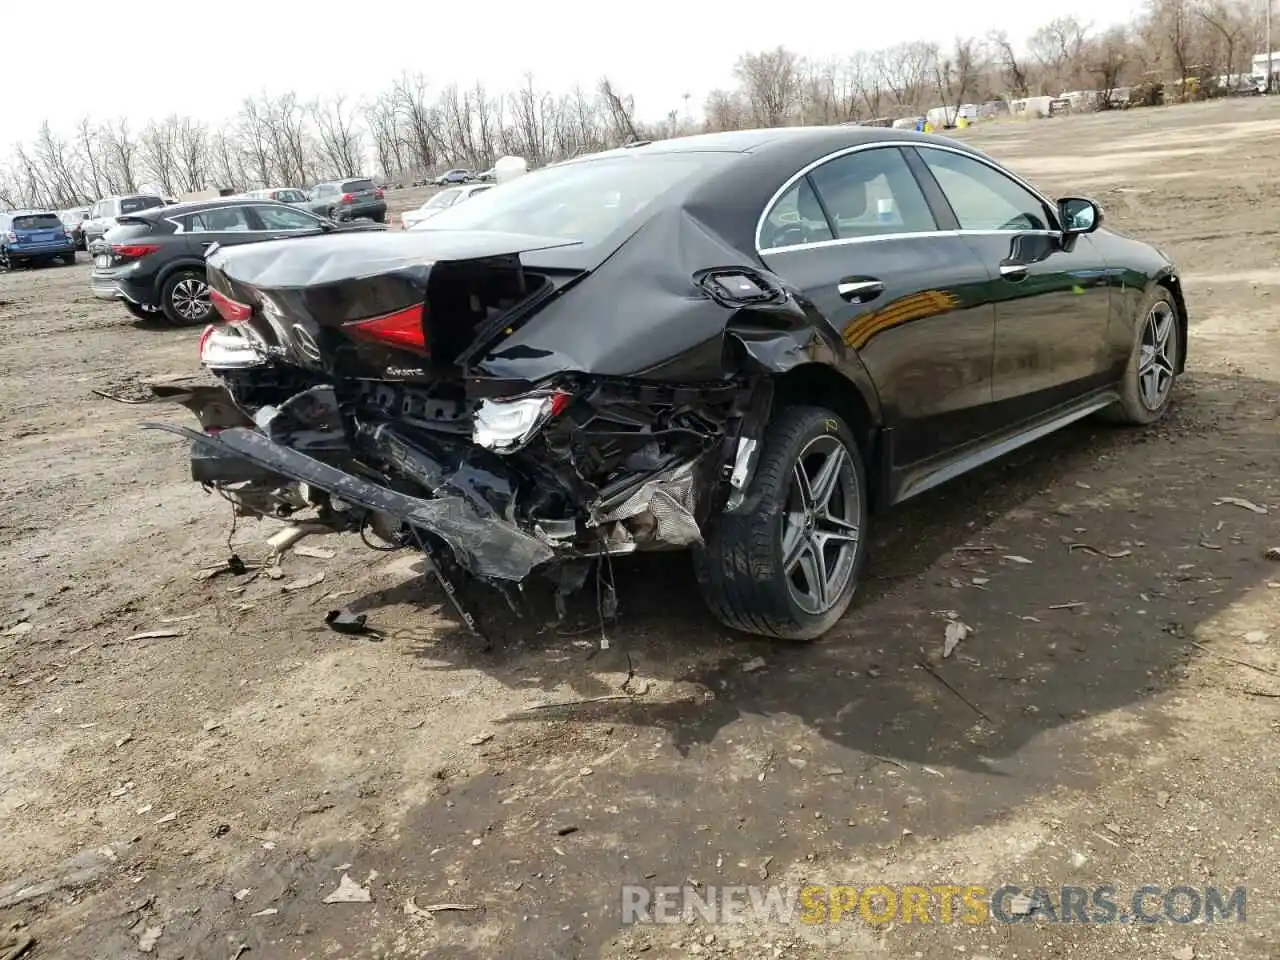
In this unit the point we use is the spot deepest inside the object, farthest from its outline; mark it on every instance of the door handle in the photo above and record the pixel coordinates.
(859, 289)
(1013, 271)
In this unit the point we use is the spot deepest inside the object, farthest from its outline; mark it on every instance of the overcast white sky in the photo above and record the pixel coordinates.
(204, 59)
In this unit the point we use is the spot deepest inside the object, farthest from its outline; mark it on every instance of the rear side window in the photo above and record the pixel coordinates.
(222, 220)
(37, 221)
(134, 204)
(872, 193)
(357, 186)
(324, 189)
(796, 218)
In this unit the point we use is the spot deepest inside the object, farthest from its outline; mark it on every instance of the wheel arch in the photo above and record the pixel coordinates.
(1170, 281)
(857, 404)
(169, 269)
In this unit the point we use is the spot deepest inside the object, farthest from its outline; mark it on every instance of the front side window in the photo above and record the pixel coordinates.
(872, 193)
(586, 201)
(982, 197)
(284, 218)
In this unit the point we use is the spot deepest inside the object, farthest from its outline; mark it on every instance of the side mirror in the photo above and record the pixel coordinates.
(1079, 215)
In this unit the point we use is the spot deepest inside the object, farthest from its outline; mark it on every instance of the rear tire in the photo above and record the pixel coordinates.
(69, 259)
(184, 298)
(758, 570)
(1149, 378)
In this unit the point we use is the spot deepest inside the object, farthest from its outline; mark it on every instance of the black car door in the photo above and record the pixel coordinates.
(858, 236)
(1052, 296)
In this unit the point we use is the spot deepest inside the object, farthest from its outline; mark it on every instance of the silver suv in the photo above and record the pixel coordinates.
(102, 217)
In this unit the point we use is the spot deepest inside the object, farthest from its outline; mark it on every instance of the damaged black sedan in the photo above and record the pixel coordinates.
(736, 344)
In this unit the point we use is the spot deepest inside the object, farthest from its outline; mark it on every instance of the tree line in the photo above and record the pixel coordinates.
(411, 129)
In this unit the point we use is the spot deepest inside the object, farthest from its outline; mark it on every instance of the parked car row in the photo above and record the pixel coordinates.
(353, 199)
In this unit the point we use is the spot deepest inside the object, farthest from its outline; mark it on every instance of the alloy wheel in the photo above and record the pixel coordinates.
(191, 299)
(820, 529)
(1157, 359)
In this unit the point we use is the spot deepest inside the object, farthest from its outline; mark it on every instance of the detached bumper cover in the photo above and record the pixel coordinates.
(488, 547)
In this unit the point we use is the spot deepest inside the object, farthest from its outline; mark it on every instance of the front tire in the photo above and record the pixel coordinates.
(787, 565)
(184, 298)
(1151, 374)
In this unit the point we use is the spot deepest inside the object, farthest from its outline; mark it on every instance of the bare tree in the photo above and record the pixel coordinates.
(1058, 48)
(620, 113)
(122, 157)
(191, 148)
(907, 70)
(159, 152)
(1230, 26)
(341, 141)
(1013, 68)
(771, 84)
(419, 120)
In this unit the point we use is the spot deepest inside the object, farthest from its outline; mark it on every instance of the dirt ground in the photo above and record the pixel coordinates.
(1112, 718)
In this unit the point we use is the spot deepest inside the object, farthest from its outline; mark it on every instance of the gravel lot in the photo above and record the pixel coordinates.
(200, 794)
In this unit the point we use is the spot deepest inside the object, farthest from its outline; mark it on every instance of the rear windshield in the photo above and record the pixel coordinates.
(584, 201)
(355, 186)
(134, 204)
(37, 221)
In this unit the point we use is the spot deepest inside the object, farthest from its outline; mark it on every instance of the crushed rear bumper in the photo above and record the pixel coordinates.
(488, 546)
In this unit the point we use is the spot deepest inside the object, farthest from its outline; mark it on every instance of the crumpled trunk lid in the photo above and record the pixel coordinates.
(310, 302)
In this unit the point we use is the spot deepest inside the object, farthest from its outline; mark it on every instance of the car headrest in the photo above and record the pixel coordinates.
(808, 207)
(846, 198)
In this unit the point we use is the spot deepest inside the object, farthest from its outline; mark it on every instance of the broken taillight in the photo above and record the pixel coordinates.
(401, 329)
(505, 426)
(230, 310)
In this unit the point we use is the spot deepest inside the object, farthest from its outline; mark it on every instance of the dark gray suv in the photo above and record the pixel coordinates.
(348, 200)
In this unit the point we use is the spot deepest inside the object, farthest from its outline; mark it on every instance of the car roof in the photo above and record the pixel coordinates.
(25, 212)
(767, 140)
(198, 206)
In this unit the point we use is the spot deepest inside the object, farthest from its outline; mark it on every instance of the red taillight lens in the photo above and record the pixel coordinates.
(228, 309)
(400, 329)
(133, 251)
(378, 193)
(204, 338)
(348, 198)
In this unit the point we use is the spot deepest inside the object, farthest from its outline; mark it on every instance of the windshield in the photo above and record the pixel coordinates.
(441, 199)
(585, 201)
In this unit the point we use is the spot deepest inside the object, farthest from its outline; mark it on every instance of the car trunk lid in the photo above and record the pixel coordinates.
(408, 305)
